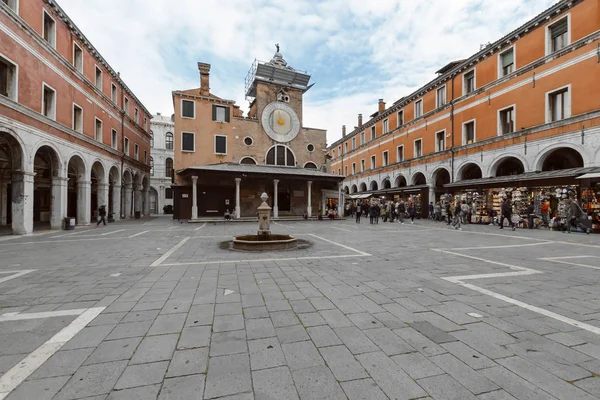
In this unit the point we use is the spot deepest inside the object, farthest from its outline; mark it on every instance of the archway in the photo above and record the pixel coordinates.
(354, 189)
(99, 189)
(114, 192)
(386, 184)
(153, 201)
(510, 166)
(562, 158)
(126, 194)
(440, 177)
(47, 190)
(248, 161)
(363, 187)
(13, 204)
(346, 190)
(373, 185)
(145, 195)
(78, 191)
(311, 165)
(470, 171)
(400, 181)
(419, 179)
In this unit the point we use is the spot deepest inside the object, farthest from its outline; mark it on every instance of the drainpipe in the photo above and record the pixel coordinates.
(122, 146)
(452, 129)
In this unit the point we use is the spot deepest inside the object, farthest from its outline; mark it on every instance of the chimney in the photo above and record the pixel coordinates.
(359, 120)
(204, 78)
(343, 130)
(158, 114)
(381, 106)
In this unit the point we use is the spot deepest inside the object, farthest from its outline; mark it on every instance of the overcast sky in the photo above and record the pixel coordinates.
(357, 51)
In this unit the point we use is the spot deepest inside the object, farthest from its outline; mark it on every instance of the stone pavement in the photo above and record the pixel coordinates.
(155, 309)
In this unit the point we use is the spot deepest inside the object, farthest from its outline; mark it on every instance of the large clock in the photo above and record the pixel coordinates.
(280, 122)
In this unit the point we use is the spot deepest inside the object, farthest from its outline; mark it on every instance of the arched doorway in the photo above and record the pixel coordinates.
(78, 191)
(373, 185)
(354, 189)
(114, 192)
(562, 158)
(126, 194)
(470, 171)
(153, 201)
(47, 190)
(99, 189)
(386, 184)
(363, 187)
(510, 166)
(145, 195)
(419, 179)
(400, 181)
(441, 177)
(346, 190)
(12, 213)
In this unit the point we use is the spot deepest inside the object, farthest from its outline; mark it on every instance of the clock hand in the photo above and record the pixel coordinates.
(280, 121)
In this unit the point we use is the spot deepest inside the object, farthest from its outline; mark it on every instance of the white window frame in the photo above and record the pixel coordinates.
(126, 145)
(114, 93)
(437, 144)
(362, 165)
(399, 159)
(145, 156)
(181, 108)
(400, 121)
(78, 68)
(362, 138)
(464, 81)
(96, 119)
(464, 131)
(445, 99)
(74, 125)
(567, 105)
(499, 123)
(215, 145)
(353, 168)
(224, 108)
(373, 161)
(51, 38)
(136, 151)
(373, 132)
(339, 150)
(188, 151)
(126, 104)
(385, 126)
(14, 6)
(96, 69)
(420, 140)
(385, 159)
(420, 101)
(53, 116)
(339, 171)
(500, 69)
(345, 170)
(354, 143)
(14, 96)
(136, 115)
(114, 138)
(346, 147)
(548, 36)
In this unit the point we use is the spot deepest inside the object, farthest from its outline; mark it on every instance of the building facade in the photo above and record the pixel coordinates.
(520, 119)
(73, 136)
(161, 163)
(224, 161)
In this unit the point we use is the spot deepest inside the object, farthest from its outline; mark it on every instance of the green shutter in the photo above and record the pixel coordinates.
(507, 58)
(214, 112)
(227, 114)
(559, 28)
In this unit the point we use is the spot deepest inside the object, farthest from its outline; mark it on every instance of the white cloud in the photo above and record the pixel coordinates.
(357, 51)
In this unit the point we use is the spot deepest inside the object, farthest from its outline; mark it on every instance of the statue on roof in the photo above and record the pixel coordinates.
(277, 45)
(278, 61)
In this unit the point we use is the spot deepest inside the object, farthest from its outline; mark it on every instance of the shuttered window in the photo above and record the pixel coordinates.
(559, 35)
(220, 113)
(187, 141)
(220, 144)
(187, 109)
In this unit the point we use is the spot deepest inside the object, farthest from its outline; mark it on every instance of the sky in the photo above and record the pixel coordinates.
(357, 51)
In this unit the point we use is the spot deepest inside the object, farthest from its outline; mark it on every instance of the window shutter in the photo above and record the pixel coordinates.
(507, 58)
(559, 28)
(227, 115)
(214, 112)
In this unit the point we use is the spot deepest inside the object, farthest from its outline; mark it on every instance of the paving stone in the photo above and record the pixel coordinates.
(515, 385)
(39, 389)
(444, 387)
(155, 348)
(278, 305)
(496, 395)
(227, 375)
(394, 382)
(89, 337)
(256, 312)
(284, 318)
(317, 383)
(364, 321)
(168, 323)
(417, 365)
(363, 389)
(302, 306)
(291, 334)
(228, 323)
(469, 356)
(301, 355)
(342, 363)
(114, 350)
(321, 303)
(183, 388)
(432, 332)
(389, 320)
(323, 336)
(150, 305)
(9, 361)
(228, 309)
(62, 363)
(92, 380)
(193, 337)
(139, 315)
(265, 353)
(390, 343)
(188, 362)
(107, 319)
(590, 385)
(130, 330)
(139, 393)
(259, 328)
(463, 374)
(201, 314)
(225, 343)
(355, 340)
(142, 375)
(274, 383)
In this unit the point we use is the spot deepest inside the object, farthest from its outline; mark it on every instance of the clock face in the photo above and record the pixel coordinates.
(280, 122)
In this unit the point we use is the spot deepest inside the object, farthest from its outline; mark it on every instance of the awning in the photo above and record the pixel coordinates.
(591, 175)
(526, 177)
(359, 196)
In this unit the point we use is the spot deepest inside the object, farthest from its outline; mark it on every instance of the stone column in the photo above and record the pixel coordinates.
(84, 202)
(59, 202)
(194, 197)
(127, 202)
(103, 195)
(160, 200)
(117, 201)
(431, 194)
(3, 202)
(309, 206)
(275, 199)
(22, 202)
(146, 193)
(340, 201)
(238, 209)
(137, 198)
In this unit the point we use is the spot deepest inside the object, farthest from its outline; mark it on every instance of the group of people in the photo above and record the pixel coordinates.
(388, 211)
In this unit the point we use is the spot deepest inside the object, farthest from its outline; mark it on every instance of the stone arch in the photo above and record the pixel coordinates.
(114, 191)
(52, 150)
(400, 181)
(12, 145)
(385, 183)
(373, 185)
(47, 188)
(346, 189)
(440, 176)
(493, 168)
(153, 206)
(560, 156)
(354, 189)
(508, 165)
(17, 203)
(310, 165)
(363, 187)
(78, 189)
(273, 153)
(469, 170)
(127, 176)
(418, 178)
(248, 161)
(126, 199)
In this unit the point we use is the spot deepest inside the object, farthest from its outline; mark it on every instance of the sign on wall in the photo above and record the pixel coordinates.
(184, 195)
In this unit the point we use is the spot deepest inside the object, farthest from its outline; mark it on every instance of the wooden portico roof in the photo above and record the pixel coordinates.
(270, 171)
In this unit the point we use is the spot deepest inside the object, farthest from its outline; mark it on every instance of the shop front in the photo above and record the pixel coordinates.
(590, 197)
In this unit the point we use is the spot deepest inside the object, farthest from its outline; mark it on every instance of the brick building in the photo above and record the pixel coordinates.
(519, 119)
(73, 136)
(224, 161)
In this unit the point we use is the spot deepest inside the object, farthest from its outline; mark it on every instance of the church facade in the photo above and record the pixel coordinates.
(224, 161)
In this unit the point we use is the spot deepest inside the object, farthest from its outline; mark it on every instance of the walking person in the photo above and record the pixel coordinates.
(102, 214)
(437, 211)
(377, 212)
(449, 212)
(431, 210)
(457, 216)
(545, 211)
(412, 212)
(358, 212)
(573, 212)
(401, 211)
(507, 213)
(531, 215)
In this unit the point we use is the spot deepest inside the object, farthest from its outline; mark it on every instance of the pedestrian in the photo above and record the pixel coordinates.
(457, 216)
(431, 210)
(102, 214)
(464, 213)
(573, 212)
(531, 216)
(449, 212)
(401, 211)
(437, 211)
(545, 211)
(377, 212)
(506, 210)
(412, 212)
(372, 213)
(358, 212)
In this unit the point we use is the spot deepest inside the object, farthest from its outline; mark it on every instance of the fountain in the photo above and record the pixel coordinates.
(264, 240)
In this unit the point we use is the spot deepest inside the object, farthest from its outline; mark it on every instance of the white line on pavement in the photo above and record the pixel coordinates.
(362, 253)
(138, 234)
(263, 260)
(559, 260)
(341, 229)
(169, 252)
(200, 227)
(501, 247)
(72, 233)
(492, 234)
(15, 274)
(17, 374)
(45, 314)
(172, 228)
(63, 241)
(110, 233)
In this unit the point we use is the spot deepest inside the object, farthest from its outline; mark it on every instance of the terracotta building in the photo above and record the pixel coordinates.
(519, 119)
(73, 136)
(224, 161)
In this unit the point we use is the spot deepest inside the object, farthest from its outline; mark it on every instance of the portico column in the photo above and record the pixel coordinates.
(309, 206)
(3, 202)
(146, 194)
(431, 194)
(340, 201)
(137, 198)
(194, 197)
(127, 202)
(103, 195)
(59, 202)
(22, 202)
(238, 209)
(275, 199)
(160, 201)
(84, 202)
(117, 201)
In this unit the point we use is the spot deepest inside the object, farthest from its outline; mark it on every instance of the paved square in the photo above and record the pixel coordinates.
(157, 309)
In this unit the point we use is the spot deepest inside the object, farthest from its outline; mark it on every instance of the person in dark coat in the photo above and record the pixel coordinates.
(531, 216)
(412, 212)
(507, 213)
(102, 214)
(449, 212)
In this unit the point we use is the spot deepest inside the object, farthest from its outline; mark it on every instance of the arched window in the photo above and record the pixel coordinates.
(169, 167)
(151, 139)
(151, 166)
(310, 165)
(281, 155)
(248, 160)
(169, 141)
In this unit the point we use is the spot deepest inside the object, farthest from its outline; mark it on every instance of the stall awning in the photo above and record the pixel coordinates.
(413, 188)
(591, 175)
(359, 196)
(526, 177)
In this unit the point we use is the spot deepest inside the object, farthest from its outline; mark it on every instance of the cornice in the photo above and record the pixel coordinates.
(199, 97)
